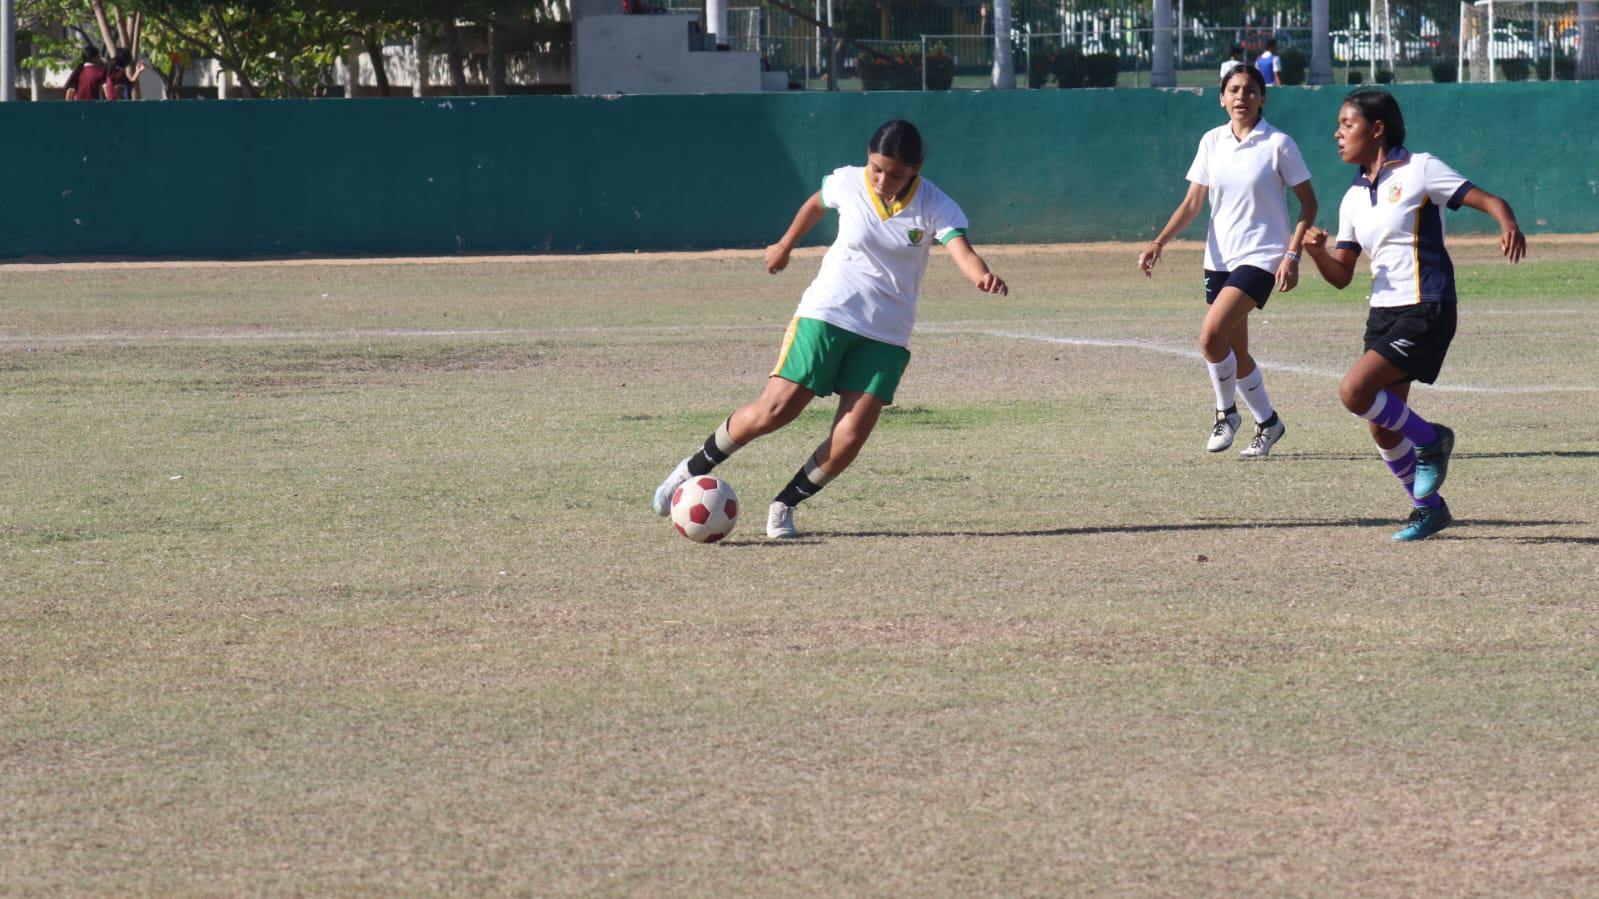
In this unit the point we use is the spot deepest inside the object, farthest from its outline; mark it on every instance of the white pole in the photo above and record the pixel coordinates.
(8, 51)
(1371, 41)
(818, 53)
(716, 21)
(1460, 44)
(1182, 25)
(924, 62)
(1491, 76)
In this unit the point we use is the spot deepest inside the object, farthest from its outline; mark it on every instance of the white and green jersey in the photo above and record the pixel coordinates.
(873, 271)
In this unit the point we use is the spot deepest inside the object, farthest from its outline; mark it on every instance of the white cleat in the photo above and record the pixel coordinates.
(1266, 437)
(780, 522)
(1226, 428)
(663, 494)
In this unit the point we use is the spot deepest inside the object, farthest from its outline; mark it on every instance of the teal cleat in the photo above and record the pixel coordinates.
(1432, 462)
(1424, 522)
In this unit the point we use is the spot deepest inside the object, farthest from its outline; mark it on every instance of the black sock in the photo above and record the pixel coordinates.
(712, 453)
(798, 490)
(806, 483)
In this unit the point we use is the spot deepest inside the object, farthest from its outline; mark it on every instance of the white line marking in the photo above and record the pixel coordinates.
(1269, 364)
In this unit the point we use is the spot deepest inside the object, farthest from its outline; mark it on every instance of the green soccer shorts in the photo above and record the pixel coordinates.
(825, 359)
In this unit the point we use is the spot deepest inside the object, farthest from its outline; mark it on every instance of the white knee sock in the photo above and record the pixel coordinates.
(1253, 390)
(1223, 377)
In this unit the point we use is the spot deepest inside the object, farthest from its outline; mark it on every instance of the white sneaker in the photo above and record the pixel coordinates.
(1266, 437)
(663, 494)
(1226, 428)
(780, 522)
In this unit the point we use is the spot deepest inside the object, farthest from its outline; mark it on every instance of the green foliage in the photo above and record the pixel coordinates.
(1100, 70)
(1444, 71)
(1385, 76)
(1515, 69)
(1356, 76)
(940, 68)
(1067, 65)
(899, 70)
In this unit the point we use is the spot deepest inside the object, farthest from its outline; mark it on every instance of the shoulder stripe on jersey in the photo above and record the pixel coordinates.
(1348, 245)
(1459, 196)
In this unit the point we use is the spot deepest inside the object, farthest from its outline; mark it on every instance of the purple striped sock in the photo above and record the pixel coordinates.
(1391, 413)
(1403, 466)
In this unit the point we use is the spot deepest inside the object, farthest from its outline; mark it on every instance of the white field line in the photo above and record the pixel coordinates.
(1268, 364)
(955, 329)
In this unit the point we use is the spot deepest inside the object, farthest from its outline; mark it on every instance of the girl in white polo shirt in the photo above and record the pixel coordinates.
(1244, 168)
(1393, 213)
(852, 330)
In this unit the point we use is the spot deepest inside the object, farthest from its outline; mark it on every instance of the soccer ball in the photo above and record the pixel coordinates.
(704, 509)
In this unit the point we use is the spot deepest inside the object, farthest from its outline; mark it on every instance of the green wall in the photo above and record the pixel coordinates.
(518, 174)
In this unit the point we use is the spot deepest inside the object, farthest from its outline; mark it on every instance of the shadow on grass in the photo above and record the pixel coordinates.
(1208, 526)
(1367, 457)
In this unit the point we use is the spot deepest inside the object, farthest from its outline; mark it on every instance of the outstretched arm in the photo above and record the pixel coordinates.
(974, 268)
(1188, 210)
(1511, 240)
(810, 213)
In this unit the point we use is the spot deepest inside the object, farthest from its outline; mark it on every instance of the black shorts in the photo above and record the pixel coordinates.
(1256, 283)
(1414, 338)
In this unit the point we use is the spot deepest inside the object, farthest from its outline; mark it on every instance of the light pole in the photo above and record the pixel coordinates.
(8, 51)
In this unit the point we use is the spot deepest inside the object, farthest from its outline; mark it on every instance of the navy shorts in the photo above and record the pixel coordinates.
(1414, 338)
(1256, 283)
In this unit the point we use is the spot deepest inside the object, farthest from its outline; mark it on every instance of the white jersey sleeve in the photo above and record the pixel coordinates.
(1444, 185)
(1199, 172)
(1346, 224)
(834, 187)
(1290, 164)
(949, 222)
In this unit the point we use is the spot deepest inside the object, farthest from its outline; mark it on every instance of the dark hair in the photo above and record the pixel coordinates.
(1242, 69)
(123, 59)
(1236, 51)
(897, 139)
(1380, 106)
(1271, 44)
(90, 52)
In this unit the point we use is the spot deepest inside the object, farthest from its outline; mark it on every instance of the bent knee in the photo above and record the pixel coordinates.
(1356, 397)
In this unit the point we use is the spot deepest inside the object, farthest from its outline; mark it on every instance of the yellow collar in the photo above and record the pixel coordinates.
(884, 213)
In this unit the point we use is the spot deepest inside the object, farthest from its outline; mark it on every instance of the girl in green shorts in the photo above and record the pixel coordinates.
(851, 331)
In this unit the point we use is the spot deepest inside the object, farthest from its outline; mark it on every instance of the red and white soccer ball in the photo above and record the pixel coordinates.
(704, 509)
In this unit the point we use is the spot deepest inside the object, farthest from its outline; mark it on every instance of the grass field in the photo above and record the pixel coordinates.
(340, 579)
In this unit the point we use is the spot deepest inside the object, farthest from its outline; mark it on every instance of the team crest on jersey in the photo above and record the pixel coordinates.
(1395, 191)
(916, 236)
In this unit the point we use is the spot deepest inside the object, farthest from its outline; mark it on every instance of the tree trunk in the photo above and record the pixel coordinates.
(374, 52)
(1004, 74)
(1320, 43)
(419, 47)
(1162, 71)
(452, 50)
(496, 61)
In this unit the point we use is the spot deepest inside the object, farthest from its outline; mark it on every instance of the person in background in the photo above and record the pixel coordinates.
(123, 80)
(1235, 58)
(88, 80)
(1269, 66)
